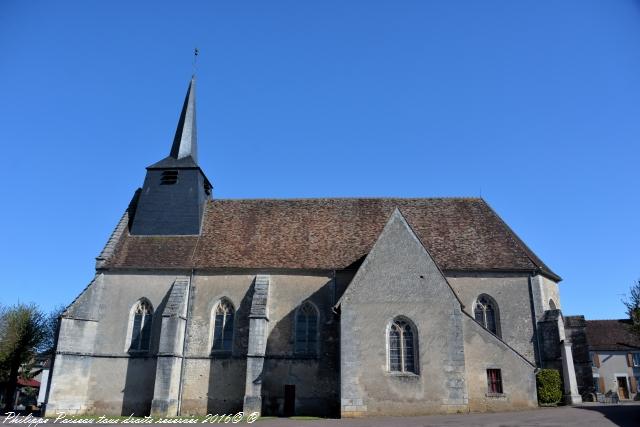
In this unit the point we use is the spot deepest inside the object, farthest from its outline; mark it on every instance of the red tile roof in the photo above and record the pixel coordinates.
(611, 335)
(460, 233)
(28, 383)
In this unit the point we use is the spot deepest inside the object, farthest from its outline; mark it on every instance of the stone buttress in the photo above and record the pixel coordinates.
(166, 394)
(258, 330)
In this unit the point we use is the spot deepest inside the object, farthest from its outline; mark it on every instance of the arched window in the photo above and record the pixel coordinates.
(402, 347)
(141, 329)
(486, 313)
(306, 340)
(223, 326)
(552, 305)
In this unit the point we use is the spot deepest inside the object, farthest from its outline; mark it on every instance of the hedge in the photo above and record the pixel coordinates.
(549, 386)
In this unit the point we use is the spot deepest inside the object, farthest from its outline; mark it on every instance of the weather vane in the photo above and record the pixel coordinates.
(196, 52)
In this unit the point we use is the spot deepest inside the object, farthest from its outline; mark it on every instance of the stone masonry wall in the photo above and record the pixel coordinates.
(216, 383)
(484, 351)
(511, 293)
(399, 278)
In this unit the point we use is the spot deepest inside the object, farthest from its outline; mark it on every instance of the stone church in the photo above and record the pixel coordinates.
(330, 307)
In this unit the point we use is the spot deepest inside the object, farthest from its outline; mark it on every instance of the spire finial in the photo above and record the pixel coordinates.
(196, 52)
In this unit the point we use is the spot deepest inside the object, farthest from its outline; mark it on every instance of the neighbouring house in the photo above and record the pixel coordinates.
(615, 357)
(332, 306)
(31, 386)
(26, 398)
(43, 378)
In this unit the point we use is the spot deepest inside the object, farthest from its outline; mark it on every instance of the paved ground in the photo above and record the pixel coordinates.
(586, 415)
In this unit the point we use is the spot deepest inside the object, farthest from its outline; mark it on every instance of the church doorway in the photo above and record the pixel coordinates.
(289, 400)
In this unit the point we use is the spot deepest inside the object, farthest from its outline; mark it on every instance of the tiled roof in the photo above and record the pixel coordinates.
(460, 233)
(611, 335)
(28, 382)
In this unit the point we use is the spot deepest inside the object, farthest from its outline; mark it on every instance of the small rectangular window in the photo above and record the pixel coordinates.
(169, 177)
(636, 359)
(494, 381)
(596, 384)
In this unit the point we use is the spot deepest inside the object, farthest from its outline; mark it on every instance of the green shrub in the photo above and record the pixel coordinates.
(549, 386)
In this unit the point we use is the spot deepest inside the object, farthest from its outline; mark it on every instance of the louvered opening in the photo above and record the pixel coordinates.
(169, 177)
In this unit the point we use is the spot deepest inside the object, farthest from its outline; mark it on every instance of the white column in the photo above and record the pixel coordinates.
(569, 375)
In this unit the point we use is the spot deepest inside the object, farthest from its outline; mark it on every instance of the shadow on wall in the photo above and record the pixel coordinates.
(550, 341)
(141, 370)
(227, 372)
(303, 384)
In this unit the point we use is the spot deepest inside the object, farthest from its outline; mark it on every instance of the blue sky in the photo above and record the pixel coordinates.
(535, 105)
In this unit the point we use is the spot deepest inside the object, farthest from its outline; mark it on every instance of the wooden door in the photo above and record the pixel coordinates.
(289, 400)
(623, 390)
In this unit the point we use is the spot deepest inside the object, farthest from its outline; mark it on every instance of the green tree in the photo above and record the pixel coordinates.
(24, 332)
(53, 320)
(632, 302)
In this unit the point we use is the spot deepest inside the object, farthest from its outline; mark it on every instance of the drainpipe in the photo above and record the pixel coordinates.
(333, 278)
(184, 342)
(536, 344)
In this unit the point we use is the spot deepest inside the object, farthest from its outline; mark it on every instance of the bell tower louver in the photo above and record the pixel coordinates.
(175, 190)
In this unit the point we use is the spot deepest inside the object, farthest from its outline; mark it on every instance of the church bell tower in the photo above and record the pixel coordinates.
(175, 190)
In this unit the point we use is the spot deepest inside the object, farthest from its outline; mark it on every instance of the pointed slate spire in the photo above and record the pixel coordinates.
(185, 142)
(175, 190)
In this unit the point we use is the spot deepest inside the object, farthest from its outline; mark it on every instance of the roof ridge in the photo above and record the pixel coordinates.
(347, 198)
